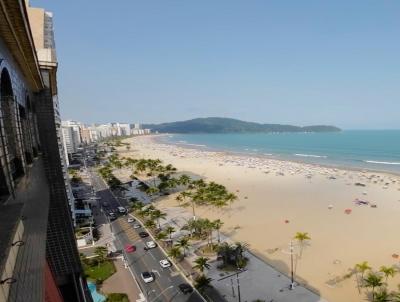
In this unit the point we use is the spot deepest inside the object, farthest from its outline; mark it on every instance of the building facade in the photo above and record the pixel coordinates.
(38, 256)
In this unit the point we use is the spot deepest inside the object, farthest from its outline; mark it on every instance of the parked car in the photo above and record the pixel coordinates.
(137, 226)
(130, 220)
(112, 216)
(151, 244)
(185, 288)
(147, 277)
(165, 263)
(143, 234)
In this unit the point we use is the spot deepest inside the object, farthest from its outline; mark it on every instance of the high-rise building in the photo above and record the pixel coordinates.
(39, 260)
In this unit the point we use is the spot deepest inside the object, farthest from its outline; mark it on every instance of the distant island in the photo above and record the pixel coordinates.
(229, 125)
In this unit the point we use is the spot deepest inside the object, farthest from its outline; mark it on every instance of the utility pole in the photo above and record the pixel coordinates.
(237, 282)
(291, 266)
(238, 285)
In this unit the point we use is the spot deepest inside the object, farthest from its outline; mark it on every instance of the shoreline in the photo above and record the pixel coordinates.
(156, 139)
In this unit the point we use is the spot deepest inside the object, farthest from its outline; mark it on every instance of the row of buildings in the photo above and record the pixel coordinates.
(39, 260)
(76, 134)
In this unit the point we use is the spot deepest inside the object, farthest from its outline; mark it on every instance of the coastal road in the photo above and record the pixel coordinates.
(165, 287)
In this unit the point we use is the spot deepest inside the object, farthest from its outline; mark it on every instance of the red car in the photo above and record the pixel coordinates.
(130, 248)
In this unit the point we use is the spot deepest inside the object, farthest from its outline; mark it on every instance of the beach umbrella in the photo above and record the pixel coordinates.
(330, 207)
(347, 211)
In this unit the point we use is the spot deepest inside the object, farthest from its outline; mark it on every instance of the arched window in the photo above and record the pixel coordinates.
(11, 127)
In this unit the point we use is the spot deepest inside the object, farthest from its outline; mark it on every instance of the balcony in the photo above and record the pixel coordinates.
(23, 224)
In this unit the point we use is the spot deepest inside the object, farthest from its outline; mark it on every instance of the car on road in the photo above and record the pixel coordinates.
(151, 244)
(130, 220)
(129, 248)
(185, 288)
(112, 216)
(137, 226)
(143, 234)
(165, 263)
(147, 277)
(121, 210)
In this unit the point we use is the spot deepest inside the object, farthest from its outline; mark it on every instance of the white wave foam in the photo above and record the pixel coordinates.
(195, 145)
(311, 155)
(381, 162)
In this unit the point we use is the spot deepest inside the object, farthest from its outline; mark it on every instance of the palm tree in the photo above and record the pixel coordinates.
(101, 252)
(157, 214)
(362, 267)
(373, 280)
(161, 236)
(217, 226)
(201, 264)
(382, 296)
(395, 297)
(169, 230)
(137, 206)
(202, 282)
(184, 244)
(152, 191)
(184, 180)
(388, 271)
(302, 238)
(183, 196)
(175, 252)
(150, 224)
(208, 226)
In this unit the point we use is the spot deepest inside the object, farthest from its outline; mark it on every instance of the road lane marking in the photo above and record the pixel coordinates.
(152, 256)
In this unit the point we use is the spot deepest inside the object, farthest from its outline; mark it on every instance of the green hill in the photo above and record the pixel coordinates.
(229, 125)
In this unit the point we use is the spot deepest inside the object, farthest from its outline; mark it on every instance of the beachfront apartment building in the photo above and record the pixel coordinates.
(39, 260)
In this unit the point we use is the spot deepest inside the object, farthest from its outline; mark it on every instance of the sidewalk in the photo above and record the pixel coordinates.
(121, 282)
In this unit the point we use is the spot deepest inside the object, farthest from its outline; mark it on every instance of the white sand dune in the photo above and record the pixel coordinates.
(279, 198)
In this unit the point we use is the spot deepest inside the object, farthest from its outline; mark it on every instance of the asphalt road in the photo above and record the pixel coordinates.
(165, 285)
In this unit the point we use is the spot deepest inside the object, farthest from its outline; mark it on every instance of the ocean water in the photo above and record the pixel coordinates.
(362, 149)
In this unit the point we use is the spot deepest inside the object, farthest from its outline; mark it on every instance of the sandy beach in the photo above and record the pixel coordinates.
(276, 199)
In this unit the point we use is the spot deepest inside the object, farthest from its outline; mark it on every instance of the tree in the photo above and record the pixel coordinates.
(202, 282)
(184, 180)
(183, 243)
(362, 267)
(373, 280)
(302, 238)
(157, 214)
(152, 191)
(101, 253)
(161, 236)
(169, 230)
(201, 264)
(388, 271)
(395, 297)
(150, 224)
(382, 296)
(217, 226)
(175, 252)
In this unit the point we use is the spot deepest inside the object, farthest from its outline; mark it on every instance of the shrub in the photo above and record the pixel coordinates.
(117, 297)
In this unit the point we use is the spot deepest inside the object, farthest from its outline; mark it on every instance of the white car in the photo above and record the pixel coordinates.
(165, 263)
(147, 277)
(130, 220)
(151, 244)
(137, 226)
(122, 210)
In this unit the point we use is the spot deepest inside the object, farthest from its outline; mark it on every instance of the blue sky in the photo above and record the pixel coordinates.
(298, 62)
